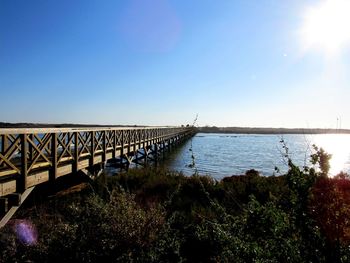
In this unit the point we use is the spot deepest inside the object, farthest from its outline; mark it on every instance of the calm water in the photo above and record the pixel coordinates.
(220, 155)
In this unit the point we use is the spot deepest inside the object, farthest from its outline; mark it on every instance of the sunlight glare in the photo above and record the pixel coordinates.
(339, 146)
(327, 26)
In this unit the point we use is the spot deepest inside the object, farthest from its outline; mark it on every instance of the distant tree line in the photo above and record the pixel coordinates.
(248, 130)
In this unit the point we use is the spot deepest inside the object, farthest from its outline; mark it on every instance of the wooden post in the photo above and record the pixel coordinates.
(53, 171)
(144, 139)
(129, 142)
(22, 180)
(140, 138)
(122, 148)
(4, 144)
(104, 148)
(114, 143)
(31, 148)
(92, 158)
(76, 153)
(156, 153)
(2, 149)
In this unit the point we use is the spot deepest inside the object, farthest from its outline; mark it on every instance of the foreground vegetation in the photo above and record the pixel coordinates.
(159, 216)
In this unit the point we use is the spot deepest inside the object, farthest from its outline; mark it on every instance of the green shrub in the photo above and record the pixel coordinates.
(153, 215)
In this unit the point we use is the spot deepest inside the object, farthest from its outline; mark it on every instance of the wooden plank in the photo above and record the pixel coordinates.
(7, 188)
(38, 178)
(41, 165)
(64, 170)
(118, 152)
(7, 173)
(84, 155)
(66, 159)
(97, 159)
(84, 164)
(82, 129)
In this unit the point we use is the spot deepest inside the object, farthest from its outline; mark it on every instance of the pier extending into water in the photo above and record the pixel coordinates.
(32, 156)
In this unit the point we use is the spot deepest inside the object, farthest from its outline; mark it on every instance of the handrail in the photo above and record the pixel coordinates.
(80, 129)
(30, 156)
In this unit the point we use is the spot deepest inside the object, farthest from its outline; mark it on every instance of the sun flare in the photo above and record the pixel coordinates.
(326, 26)
(337, 145)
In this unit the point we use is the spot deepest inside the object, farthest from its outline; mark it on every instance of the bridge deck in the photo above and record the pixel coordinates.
(32, 156)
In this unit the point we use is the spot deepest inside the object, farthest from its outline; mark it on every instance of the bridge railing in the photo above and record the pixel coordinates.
(31, 156)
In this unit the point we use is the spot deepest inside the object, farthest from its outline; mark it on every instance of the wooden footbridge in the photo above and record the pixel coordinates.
(29, 157)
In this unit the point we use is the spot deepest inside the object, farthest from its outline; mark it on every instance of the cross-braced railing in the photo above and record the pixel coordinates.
(31, 156)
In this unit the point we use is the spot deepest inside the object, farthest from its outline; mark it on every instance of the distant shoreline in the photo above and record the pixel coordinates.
(247, 130)
(207, 129)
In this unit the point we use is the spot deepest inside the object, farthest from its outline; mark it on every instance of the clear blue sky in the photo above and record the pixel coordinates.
(160, 62)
